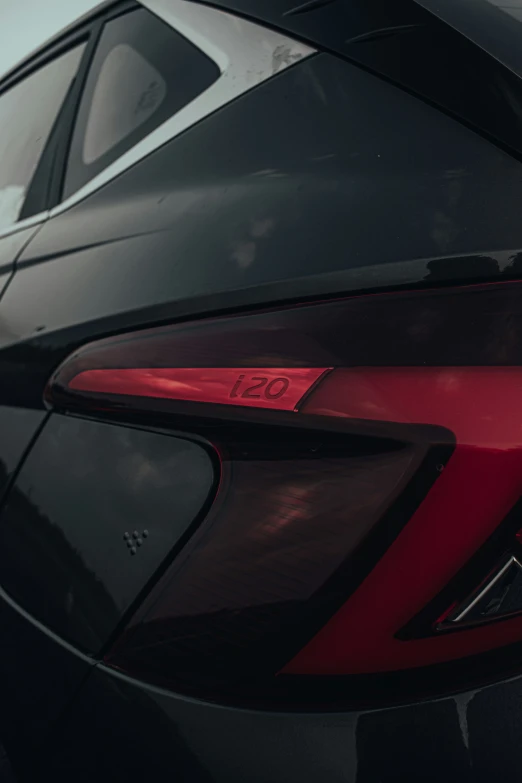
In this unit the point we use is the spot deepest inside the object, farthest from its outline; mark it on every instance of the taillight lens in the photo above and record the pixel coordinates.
(371, 454)
(259, 387)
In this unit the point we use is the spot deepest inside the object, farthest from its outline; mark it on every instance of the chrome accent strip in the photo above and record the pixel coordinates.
(26, 223)
(468, 607)
(247, 54)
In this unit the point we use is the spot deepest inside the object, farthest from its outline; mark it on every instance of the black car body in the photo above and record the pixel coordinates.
(260, 351)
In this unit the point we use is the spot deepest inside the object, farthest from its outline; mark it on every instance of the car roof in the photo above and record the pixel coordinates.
(335, 25)
(493, 25)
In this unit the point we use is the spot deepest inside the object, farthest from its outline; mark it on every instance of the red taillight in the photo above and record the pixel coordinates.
(479, 486)
(371, 450)
(258, 387)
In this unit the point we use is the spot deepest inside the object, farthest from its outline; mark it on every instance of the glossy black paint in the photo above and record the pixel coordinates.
(18, 427)
(93, 514)
(124, 731)
(24, 652)
(10, 248)
(133, 253)
(495, 26)
(463, 57)
(356, 186)
(40, 675)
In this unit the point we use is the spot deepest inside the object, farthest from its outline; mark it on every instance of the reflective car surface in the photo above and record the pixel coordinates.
(261, 394)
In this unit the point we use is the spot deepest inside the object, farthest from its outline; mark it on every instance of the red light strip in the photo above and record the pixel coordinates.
(255, 387)
(480, 484)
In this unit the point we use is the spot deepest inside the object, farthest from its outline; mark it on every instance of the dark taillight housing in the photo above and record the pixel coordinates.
(371, 453)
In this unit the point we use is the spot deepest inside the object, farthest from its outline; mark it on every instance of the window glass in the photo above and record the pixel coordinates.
(142, 73)
(109, 122)
(27, 115)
